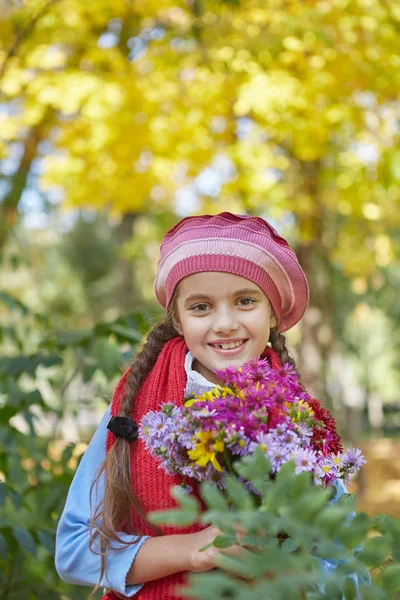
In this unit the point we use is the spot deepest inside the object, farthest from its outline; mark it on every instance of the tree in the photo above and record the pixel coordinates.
(285, 110)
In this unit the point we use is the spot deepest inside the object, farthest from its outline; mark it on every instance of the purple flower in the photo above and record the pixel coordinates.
(257, 370)
(326, 470)
(263, 441)
(186, 439)
(305, 460)
(278, 455)
(158, 429)
(188, 471)
(185, 488)
(353, 460)
(305, 433)
(281, 428)
(228, 375)
(239, 444)
(210, 474)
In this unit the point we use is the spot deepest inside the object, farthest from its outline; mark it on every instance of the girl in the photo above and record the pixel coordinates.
(230, 285)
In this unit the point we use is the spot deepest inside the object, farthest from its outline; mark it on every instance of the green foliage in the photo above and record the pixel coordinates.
(290, 525)
(38, 363)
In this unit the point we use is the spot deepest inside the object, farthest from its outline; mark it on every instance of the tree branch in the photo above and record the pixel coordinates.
(23, 34)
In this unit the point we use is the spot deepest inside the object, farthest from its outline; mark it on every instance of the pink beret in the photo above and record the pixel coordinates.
(239, 244)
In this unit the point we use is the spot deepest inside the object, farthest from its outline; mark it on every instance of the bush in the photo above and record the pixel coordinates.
(36, 470)
(290, 526)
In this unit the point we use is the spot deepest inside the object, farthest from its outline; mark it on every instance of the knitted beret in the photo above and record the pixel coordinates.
(239, 244)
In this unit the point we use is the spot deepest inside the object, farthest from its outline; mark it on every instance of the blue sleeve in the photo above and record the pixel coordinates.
(75, 562)
(328, 566)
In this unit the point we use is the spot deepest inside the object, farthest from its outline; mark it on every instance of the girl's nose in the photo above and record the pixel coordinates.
(225, 321)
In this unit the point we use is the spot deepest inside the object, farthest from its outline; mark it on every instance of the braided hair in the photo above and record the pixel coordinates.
(110, 514)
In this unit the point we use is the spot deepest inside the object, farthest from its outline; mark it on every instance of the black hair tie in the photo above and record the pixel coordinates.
(123, 427)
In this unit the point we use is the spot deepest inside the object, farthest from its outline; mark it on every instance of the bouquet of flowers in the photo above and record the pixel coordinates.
(255, 406)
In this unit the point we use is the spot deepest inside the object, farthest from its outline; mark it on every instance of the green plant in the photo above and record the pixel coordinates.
(38, 363)
(290, 526)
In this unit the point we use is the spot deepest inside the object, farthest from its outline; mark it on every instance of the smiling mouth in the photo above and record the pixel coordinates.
(229, 346)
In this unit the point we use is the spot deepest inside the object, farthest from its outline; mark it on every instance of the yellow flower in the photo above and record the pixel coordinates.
(307, 407)
(206, 450)
(296, 408)
(210, 396)
(225, 391)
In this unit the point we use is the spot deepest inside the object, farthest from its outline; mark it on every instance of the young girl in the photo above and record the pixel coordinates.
(230, 286)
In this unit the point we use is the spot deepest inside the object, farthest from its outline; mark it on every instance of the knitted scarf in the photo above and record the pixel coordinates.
(151, 485)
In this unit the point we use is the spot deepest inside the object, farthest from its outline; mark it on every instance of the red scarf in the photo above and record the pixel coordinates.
(166, 382)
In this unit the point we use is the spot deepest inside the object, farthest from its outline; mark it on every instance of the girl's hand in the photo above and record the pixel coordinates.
(208, 559)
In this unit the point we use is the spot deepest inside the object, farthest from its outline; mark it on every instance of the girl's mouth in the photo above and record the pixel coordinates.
(229, 349)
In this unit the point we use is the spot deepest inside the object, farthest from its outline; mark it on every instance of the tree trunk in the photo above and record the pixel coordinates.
(127, 293)
(9, 214)
(317, 325)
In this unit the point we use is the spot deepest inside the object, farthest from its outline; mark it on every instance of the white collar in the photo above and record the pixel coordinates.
(196, 383)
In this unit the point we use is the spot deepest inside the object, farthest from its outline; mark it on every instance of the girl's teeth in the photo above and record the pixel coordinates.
(230, 346)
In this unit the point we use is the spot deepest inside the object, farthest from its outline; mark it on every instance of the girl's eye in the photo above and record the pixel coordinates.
(199, 307)
(246, 301)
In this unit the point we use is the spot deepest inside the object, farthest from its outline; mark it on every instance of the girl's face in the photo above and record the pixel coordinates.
(224, 318)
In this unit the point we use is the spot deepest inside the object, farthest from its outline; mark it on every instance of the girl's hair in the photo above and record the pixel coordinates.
(111, 514)
(278, 344)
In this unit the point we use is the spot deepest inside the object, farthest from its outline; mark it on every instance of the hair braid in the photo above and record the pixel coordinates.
(111, 513)
(144, 362)
(278, 344)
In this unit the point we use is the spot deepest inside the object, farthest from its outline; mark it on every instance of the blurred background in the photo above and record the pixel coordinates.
(119, 118)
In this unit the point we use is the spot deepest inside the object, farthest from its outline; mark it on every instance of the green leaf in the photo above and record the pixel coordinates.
(171, 517)
(2, 493)
(313, 503)
(349, 501)
(67, 454)
(3, 546)
(396, 552)
(371, 591)
(329, 549)
(238, 494)
(212, 585)
(107, 356)
(186, 501)
(12, 303)
(289, 545)
(250, 540)
(286, 473)
(300, 484)
(349, 589)
(14, 366)
(253, 467)
(353, 532)
(88, 371)
(47, 540)
(333, 591)
(391, 578)
(73, 338)
(375, 551)
(127, 334)
(224, 541)
(213, 497)
(15, 498)
(25, 539)
(331, 518)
